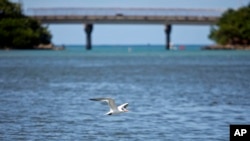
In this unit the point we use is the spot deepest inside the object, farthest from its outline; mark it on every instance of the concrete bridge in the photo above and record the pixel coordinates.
(90, 16)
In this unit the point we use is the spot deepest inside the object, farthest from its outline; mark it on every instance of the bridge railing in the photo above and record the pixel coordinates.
(124, 12)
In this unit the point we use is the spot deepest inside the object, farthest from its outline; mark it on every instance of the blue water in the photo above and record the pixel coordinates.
(188, 95)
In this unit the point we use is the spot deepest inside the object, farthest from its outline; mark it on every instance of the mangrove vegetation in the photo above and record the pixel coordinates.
(18, 31)
(233, 29)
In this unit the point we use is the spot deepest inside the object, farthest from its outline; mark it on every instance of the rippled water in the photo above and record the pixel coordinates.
(173, 95)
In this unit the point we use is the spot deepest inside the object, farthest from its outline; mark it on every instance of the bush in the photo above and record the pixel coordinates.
(233, 28)
(19, 31)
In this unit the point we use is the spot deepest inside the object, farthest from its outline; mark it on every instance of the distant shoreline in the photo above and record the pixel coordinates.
(39, 47)
(226, 47)
(178, 46)
(49, 47)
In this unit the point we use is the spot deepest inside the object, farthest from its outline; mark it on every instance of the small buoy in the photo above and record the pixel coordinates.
(181, 47)
(129, 49)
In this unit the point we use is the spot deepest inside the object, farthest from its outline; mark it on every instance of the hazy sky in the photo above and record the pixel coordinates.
(131, 34)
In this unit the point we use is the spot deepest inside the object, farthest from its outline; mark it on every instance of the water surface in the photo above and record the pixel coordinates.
(173, 95)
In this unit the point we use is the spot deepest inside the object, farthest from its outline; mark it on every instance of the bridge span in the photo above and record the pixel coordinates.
(90, 16)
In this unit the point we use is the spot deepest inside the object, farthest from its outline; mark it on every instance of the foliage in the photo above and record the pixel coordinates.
(19, 31)
(233, 27)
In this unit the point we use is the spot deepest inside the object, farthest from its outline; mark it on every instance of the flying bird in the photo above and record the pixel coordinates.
(113, 108)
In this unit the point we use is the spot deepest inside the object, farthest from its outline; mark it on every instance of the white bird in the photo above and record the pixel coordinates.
(113, 108)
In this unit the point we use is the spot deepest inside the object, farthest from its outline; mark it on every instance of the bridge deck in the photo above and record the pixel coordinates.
(126, 15)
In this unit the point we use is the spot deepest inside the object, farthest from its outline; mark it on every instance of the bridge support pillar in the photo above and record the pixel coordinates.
(168, 32)
(88, 29)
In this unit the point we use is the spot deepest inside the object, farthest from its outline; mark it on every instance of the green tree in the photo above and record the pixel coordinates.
(19, 31)
(233, 27)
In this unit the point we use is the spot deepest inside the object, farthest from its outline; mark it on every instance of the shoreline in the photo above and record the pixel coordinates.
(226, 47)
(39, 47)
(49, 47)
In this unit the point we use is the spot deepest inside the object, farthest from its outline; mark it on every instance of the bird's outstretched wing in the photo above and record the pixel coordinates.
(110, 102)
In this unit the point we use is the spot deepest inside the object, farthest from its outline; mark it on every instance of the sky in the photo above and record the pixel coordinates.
(123, 34)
